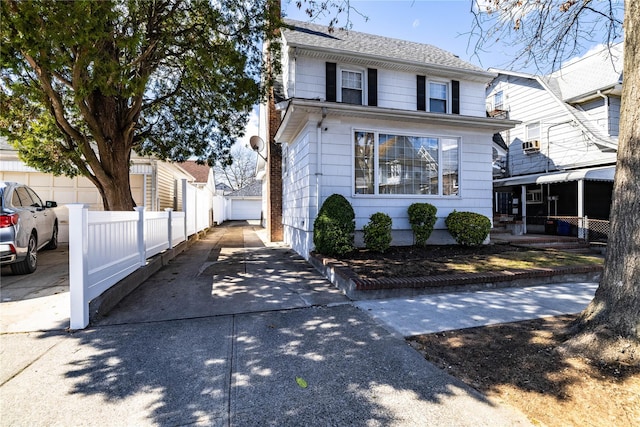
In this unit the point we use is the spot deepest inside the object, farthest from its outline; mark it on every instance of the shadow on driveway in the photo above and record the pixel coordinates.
(38, 301)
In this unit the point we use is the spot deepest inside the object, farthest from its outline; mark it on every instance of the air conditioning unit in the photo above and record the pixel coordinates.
(532, 146)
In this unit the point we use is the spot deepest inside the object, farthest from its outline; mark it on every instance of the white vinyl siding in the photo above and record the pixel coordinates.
(396, 89)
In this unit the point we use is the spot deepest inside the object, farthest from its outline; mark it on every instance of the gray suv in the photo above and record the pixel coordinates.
(26, 226)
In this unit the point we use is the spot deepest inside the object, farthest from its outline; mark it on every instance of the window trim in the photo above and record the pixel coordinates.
(526, 131)
(447, 100)
(376, 177)
(498, 106)
(364, 82)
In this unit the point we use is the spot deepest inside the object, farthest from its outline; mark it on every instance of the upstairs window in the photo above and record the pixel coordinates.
(351, 85)
(438, 97)
(533, 131)
(497, 101)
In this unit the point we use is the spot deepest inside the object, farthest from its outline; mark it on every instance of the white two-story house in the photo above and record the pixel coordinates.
(383, 122)
(560, 160)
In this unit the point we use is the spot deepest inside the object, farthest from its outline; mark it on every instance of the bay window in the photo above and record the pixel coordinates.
(406, 165)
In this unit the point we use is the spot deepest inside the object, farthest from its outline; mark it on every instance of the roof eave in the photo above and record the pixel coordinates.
(298, 109)
(340, 55)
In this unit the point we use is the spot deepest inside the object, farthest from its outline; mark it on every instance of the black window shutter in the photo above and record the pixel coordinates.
(372, 87)
(422, 93)
(455, 97)
(332, 87)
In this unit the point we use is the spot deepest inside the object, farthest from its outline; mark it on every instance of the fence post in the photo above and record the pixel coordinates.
(585, 228)
(185, 209)
(78, 265)
(142, 250)
(170, 231)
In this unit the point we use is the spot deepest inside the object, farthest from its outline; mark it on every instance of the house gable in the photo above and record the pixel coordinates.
(381, 71)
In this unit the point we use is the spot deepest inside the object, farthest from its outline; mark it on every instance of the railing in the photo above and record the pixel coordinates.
(591, 230)
(105, 247)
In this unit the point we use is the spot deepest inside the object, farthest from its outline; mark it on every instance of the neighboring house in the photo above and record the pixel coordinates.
(560, 160)
(384, 122)
(154, 184)
(245, 203)
(203, 178)
(222, 188)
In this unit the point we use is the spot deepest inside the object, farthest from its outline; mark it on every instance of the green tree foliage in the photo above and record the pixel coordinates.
(468, 228)
(84, 83)
(422, 217)
(377, 233)
(334, 228)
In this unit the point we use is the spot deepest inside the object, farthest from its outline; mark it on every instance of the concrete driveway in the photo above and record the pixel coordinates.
(38, 301)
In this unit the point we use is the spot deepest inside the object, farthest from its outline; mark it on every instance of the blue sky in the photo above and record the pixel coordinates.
(445, 24)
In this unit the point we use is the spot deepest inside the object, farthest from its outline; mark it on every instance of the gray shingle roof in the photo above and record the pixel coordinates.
(599, 70)
(252, 190)
(313, 36)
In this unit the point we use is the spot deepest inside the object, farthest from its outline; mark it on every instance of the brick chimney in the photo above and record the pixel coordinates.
(274, 164)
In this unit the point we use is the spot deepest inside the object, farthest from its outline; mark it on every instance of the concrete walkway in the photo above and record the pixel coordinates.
(223, 336)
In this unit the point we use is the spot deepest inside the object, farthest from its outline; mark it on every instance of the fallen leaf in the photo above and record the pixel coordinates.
(301, 382)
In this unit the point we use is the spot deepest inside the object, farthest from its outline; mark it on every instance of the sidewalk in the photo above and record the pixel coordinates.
(219, 337)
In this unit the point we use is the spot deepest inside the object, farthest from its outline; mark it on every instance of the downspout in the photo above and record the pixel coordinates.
(606, 109)
(319, 160)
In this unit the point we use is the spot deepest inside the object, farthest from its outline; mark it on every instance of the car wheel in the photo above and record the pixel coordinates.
(29, 264)
(53, 243)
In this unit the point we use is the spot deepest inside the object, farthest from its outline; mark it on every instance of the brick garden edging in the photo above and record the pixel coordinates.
(357, 288)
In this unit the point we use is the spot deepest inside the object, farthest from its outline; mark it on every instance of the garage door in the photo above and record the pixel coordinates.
(245, 209)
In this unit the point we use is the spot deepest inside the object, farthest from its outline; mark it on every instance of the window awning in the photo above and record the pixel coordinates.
(590, 174)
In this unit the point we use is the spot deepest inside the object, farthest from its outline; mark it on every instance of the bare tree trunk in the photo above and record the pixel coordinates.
(615, 311)
(111, 120)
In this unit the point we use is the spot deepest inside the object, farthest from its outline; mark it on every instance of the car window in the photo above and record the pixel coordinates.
(22, 198)
(36, 201)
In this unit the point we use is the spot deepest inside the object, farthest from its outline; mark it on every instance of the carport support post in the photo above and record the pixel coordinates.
(580, 208)
(78, 265)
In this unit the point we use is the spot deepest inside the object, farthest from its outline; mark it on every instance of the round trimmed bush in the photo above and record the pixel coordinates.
(334, 228)
(468, 228)
(422, 217)
(377, 233)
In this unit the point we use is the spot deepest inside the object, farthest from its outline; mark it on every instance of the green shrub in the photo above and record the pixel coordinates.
(422, 217)
(377, 233)
(468, 228)
(334, 228)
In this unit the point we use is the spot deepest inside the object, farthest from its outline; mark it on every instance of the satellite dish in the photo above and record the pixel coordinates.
(257, 144)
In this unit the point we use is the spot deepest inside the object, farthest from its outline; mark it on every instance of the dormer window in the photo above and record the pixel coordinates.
(351, 87)
(438, 97)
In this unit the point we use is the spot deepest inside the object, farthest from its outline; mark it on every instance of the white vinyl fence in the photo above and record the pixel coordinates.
(107, 246)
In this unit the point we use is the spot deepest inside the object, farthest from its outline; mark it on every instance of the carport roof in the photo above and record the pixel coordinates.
(589, 174)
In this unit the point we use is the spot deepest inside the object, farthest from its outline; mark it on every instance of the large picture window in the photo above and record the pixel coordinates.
(402, 164)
